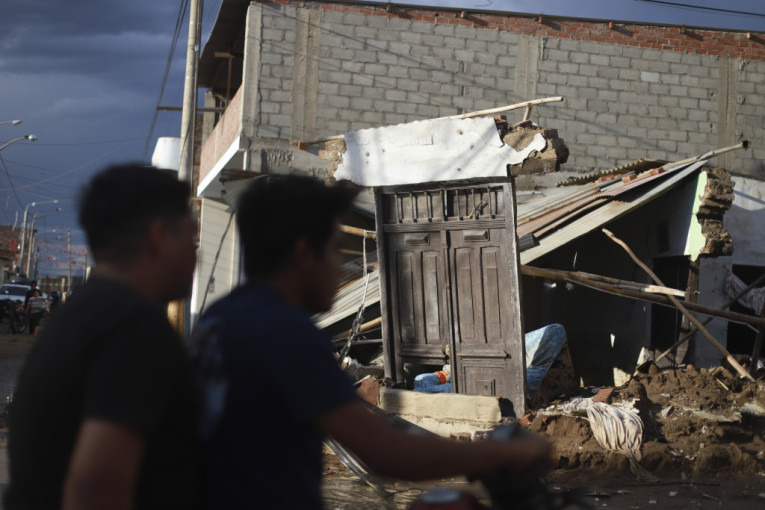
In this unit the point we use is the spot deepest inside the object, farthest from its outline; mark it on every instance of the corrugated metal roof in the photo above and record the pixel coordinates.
(608, 212)
(639, 165)
(348, 300)
(640, 181)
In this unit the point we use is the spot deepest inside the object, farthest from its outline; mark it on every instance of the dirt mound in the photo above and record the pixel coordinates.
(696, 423)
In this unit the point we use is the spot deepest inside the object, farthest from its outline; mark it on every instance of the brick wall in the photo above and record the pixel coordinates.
(631, 90)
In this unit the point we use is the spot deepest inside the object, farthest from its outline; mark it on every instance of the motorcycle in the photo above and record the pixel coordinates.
(12, 312)
(506, 489)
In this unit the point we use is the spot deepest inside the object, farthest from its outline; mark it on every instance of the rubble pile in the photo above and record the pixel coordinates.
(696, 423)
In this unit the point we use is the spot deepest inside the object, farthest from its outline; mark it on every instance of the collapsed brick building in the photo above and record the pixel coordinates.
(288, 72)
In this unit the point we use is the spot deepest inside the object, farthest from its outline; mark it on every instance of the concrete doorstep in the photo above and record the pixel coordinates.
(446, 414)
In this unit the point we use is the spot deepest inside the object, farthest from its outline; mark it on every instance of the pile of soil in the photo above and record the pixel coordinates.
(696, 423)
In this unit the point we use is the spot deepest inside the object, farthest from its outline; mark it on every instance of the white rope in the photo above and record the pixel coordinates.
(616, 428)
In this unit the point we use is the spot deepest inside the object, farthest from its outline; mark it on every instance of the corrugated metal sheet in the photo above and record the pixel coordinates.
(554, 199)
(640, 181)
(348, 300)
(605, 214)
(639, 165)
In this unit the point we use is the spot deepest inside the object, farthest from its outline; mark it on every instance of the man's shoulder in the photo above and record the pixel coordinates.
(256, 311)
(102, 309)
(256, 303)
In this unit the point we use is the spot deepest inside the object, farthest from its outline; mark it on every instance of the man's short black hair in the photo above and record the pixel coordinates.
(276, 210)
(120, 203)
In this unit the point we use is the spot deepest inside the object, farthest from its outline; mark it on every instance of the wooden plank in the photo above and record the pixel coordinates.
(757, 344)
(382, 259)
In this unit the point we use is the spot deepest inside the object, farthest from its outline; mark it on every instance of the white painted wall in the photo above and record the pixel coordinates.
(746, 221)
(213, 224)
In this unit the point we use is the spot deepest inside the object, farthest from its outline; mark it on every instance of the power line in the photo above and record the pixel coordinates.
(173, 44)
(93, 143)
(10, 181)
(703, 8)
(61, 174)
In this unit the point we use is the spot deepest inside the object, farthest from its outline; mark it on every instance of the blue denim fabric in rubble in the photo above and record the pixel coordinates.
(542, 347)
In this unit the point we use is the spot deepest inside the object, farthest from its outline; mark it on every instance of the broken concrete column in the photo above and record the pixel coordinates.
(714, 203)
(547, 160)
(333, 153)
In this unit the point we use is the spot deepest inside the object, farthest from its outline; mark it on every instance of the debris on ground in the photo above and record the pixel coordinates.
(695, 422)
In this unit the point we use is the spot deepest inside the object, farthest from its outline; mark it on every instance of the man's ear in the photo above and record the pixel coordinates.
(156, 236)
(303, 255)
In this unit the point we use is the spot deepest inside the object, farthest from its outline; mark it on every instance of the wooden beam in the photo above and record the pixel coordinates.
(735, 364)
(557, 274)
(693, 330)
(646, 296)
(358, 232)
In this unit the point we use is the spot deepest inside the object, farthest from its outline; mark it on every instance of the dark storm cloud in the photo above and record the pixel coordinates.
(53, 18)
(117, 40)
(84, 77)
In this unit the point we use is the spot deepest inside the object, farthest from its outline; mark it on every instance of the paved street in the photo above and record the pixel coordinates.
(13, 348)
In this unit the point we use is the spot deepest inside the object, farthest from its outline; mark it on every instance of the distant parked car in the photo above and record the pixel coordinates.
(14, 291)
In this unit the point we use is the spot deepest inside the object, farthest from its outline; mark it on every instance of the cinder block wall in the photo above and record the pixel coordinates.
(631, 91)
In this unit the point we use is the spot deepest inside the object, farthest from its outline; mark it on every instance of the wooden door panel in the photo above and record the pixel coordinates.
(487, 377)
(431, 293)
(417, 299)
(451, 277)
(465, 327)
(406, 302)
(490, 258)
(487, 333)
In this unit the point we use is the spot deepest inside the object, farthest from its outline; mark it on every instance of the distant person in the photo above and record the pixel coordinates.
(30, 292)
(55, 300)
(263, 420)
(36, 309)
(105, 409)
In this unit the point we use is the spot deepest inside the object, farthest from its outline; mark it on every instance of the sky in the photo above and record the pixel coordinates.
(85, 78)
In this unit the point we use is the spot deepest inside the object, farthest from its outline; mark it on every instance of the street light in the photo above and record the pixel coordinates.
(24, 224)
(14, 122)
(31, 138)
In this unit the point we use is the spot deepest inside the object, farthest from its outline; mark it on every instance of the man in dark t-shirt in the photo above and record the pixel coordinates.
(31, 292)
(272, 389)
(258, 379)
(104, 413)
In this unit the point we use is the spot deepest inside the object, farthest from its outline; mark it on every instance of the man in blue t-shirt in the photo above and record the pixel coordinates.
(272, 387)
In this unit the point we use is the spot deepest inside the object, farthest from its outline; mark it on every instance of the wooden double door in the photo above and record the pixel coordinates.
(451, 287)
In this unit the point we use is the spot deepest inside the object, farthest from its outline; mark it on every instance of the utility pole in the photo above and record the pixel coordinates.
(24, 227)
(69, 263)
(188, 118)
(180, 311)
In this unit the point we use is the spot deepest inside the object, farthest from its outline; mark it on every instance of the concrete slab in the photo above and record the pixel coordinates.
(442, 406)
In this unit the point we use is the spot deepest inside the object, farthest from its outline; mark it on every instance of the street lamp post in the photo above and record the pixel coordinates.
(31, 138)
(24, 225)
(69, 261)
